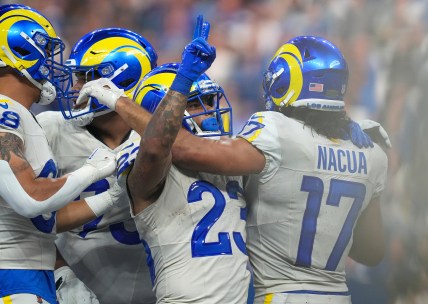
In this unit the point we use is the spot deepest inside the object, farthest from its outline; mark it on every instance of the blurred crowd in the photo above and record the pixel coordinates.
(386, 45)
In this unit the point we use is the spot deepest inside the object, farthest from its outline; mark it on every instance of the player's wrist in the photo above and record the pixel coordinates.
(181, 84)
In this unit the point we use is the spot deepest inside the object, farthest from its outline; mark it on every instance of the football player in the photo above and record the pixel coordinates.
(312, 195)
(318, 64)
(31, 71)
(106, 253)
(192, 223)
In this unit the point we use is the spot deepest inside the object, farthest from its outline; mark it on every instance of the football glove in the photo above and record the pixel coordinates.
(70, 290)
(358, 136)
(101, 163)
(197, 57)
(103, 89)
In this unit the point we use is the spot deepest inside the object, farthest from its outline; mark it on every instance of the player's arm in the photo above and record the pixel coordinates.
(31, 196)
(11, 149)
(80, 212)
(154, 157)
(368, 246)
(73, 215)
(153, 160)
(227, 156)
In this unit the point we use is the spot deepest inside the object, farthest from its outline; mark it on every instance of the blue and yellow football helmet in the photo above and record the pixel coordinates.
(30, 45)
(218, 120)
(307, 71)
(115, 53)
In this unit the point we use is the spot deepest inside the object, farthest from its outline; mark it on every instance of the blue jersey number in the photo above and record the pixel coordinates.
(254, 123)
(42, 224)
(10, 119)
(338, 189)
(118, 230)
(201, 248)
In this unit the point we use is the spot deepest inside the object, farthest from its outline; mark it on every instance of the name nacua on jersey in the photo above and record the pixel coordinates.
(341, 160)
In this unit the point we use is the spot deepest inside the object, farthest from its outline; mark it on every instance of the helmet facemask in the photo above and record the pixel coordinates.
(215, 115)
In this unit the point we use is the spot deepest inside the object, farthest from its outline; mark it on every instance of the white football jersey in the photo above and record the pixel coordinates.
(106, 253)
(195, 239)
(27, 243)
(303, 206)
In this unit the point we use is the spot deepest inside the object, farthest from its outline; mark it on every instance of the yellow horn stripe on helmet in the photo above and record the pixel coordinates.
(162, 79)
(21, 64)
(32, 15)
(103, 48)
(291, 54)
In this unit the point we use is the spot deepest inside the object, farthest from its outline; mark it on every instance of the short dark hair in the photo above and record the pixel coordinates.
(332, 124)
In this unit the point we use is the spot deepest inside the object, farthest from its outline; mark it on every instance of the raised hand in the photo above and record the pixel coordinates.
(197, 57)
(103, 89)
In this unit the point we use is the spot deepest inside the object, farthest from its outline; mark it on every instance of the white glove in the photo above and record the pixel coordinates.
(104, 163)
(70, 290)
(100, 203)
(376, 132)
(103, 89)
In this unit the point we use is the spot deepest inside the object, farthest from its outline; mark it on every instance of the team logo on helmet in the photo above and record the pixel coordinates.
(307, 71)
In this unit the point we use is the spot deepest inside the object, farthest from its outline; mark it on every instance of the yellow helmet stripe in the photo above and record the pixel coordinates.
(29, 14)
(291, 54)
(21, 64)
(164, 79)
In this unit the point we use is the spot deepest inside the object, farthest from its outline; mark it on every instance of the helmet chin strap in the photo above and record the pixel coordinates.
(48, 93)
(47, 90)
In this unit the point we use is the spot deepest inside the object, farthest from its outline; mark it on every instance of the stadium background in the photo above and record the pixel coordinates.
(386, 45)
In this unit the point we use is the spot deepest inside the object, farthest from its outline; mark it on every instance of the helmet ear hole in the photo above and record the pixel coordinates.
(307, 54)
(21, 51)
(127, 82)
